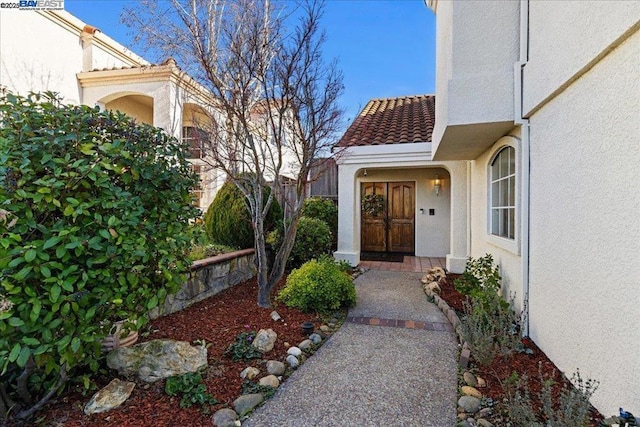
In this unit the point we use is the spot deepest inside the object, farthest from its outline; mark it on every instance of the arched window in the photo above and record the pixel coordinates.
(502, 220)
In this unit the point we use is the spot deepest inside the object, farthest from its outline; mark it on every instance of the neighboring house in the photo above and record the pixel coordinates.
(542, 99)
(62, 54)
(386, 153)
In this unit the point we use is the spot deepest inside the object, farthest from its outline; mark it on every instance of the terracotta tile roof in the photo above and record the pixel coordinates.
(400, 120)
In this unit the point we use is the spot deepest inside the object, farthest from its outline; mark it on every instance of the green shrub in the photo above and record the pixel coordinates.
(479, 276)
(313, 239)
(193, 391)
(94, 217)
(322, 209)
(242, 347)
(318, 286)
(567, 405)
(228, 220)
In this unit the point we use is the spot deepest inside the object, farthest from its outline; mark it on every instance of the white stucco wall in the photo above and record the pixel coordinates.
(567, 38)
(39, 54)
(585, 226)
(477, 47)
(506, 254)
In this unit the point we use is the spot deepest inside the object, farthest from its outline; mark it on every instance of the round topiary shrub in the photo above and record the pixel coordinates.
(322, 209)
(320, 286)
(313, 239)
(228, 220)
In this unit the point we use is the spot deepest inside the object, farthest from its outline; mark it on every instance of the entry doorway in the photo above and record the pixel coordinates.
(388, 217)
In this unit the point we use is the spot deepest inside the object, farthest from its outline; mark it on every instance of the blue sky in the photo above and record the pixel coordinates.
(384, 48)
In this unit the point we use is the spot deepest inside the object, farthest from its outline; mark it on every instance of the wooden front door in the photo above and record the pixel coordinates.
(391, 229)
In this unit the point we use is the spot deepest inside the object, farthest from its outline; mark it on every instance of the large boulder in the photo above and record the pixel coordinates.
(158, 359)
(110, 397)
(265, 340)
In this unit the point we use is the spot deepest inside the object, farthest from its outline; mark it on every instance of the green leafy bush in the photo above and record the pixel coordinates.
(313, 239)
(94, 213)
(191, 388)
(322, 209)
(480, 277)
(320, 286)
(242, 348)
(228, 220)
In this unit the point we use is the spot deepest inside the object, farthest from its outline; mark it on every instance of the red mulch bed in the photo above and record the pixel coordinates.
(531, 365)
(217, 320)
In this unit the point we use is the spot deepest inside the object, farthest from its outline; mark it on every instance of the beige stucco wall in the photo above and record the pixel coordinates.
(506, 253)
(133, 106)
(585, 238)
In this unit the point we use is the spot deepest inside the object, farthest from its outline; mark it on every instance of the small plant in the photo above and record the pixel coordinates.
(192, 390)
(480, 277)
(201, 251)
(572, 406)
(242, 348)
(519, 406)
(568, 408)
(491, 327)
(249, 387)
(319, 286)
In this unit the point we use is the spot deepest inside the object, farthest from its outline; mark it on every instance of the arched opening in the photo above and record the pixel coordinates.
(137, 106)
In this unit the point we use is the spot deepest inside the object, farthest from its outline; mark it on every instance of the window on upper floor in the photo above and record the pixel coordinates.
(196, 138)
(502, 221)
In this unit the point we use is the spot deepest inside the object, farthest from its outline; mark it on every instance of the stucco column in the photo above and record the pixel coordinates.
(459, 249)
(348, 246)
(167, 109)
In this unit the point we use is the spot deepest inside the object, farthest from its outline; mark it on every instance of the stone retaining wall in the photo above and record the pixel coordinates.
(208, 277)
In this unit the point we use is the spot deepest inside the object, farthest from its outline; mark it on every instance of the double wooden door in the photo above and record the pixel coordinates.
(391, 228)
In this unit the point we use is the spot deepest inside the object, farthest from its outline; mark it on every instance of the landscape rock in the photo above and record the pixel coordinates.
(471, 391)
(469, 404)
(305, 345)
(469, 379)
(483, 423)
(438, 272)
(293, 361)
(315, 338)
(265, 340)
(249, 373)
(275, 316)
(484, 412)
(111, 396)
(428, 278)
(294, 351)
(270, 380)
(275, 367)
(481, 382)
(247, 402)
(224, 417)
(325, 328)
(158, 359)
(434, 287)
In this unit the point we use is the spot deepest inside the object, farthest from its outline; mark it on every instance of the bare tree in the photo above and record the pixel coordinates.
(275, 97)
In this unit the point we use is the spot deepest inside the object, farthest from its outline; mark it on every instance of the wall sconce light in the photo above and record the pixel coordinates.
(437, 185)
(365, 172)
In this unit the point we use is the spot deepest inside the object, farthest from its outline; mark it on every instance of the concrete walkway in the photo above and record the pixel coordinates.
(393, 363)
